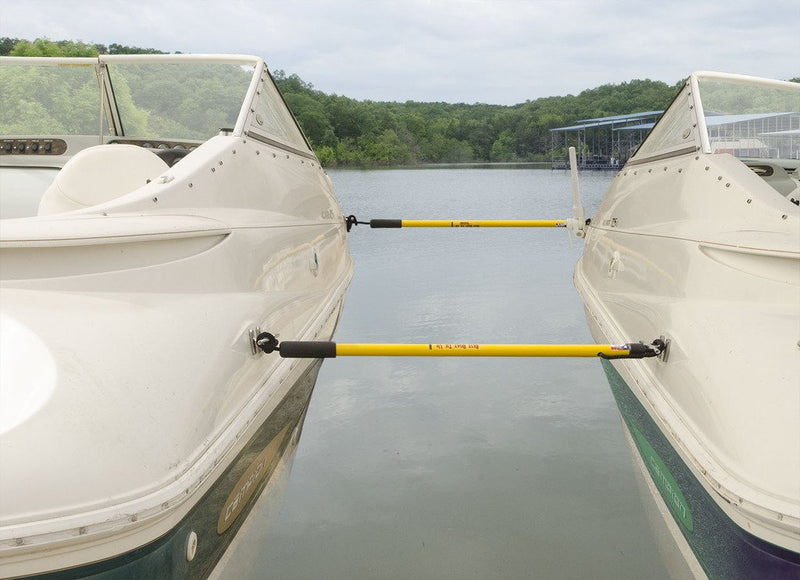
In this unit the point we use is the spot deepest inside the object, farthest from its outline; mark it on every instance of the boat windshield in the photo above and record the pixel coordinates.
(50, 100)
(744, 116)
(179, 100)
(182, 101)
(750, 119)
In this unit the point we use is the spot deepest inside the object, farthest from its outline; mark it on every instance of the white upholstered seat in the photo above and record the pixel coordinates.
(99, 174)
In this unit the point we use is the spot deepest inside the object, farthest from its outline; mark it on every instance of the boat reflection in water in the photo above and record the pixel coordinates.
(262, 474)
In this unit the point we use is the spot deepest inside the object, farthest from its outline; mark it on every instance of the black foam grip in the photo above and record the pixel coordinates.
(386, 223)
(310, 349)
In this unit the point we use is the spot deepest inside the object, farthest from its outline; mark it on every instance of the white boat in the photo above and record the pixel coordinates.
(158, 210)
(698, 240)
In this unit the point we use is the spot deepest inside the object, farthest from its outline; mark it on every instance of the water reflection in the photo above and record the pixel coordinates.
(462, 468)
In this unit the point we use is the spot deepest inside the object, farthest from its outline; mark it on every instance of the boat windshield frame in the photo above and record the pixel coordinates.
(110, 122)
(221, 59)
(684, 127)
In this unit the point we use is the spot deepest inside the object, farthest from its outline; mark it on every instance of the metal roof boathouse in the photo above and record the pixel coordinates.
(762, 135)
(603, 142)
(608, 142)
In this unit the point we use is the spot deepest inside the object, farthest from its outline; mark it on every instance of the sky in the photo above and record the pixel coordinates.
(458, 51)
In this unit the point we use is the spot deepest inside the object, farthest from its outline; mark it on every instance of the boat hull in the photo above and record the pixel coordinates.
(720, 547)
(696, 243)
(193, 547)
(135, 439)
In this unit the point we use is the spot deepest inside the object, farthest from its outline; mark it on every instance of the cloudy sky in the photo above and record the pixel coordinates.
(490, 51)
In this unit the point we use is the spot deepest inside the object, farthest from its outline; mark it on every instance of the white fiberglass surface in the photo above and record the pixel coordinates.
(24, 360)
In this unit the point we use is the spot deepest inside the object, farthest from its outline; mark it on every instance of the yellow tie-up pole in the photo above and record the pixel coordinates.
(504, 350)
(384, 223)
(316, 349)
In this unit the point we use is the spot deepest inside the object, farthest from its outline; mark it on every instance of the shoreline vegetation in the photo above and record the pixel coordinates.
(345, 132)
(457, 165)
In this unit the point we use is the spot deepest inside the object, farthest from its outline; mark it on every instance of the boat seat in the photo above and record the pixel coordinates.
(99, 174)
(774, 174)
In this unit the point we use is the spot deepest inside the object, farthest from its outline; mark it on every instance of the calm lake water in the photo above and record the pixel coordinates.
(461, 468)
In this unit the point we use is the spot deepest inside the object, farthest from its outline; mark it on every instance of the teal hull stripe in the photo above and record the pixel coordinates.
(723, 549)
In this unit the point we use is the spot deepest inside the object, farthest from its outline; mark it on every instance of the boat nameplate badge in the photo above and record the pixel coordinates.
(664, 481)
(251, 481)
(610, 223)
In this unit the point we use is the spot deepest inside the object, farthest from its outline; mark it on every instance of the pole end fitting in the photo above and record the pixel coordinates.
(577, 227)
(657, 348)
(267, 342)
(642, 350)
(663, 343)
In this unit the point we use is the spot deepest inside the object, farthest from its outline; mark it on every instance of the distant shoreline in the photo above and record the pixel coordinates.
(466, 165)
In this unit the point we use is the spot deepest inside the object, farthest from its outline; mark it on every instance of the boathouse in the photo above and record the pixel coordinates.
(608, 142)
(762, 135)
(601, 143)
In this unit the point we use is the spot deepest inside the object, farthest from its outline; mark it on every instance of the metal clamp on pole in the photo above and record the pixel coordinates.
(639, 350)
(318, 349)
(351, 221)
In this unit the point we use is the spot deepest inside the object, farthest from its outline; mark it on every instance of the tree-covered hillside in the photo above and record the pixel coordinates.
(72, 48)
(345, 131)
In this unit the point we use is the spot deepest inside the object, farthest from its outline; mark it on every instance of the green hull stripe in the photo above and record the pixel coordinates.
(723, 549)
(666, 484)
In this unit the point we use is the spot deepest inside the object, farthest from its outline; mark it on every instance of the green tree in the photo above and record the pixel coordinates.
(46, 47)
(7, 45)
(312, 118)
(504, 148)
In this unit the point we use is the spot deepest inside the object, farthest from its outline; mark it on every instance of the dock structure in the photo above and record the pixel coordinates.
(756, 135)
(603, 142)
(608, 142)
